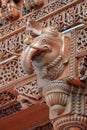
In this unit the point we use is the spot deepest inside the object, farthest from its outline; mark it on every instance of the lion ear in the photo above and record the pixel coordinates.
(66, 54)
(35, 29)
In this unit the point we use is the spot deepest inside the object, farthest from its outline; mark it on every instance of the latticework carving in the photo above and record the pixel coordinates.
(82, 68)
(9, 46)
(29, 90)
(11, 71)
(54, 20)
(67, 18)
(12, 45)
(67, 103)
(81, 40)
(29, 94)
(6, 98)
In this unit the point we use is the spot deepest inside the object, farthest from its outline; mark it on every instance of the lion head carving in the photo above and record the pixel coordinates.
(48, 56)
(48, 52)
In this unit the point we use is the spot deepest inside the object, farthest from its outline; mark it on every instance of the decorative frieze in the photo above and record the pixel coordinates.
(65, 19)
(56, 14)
(14, 43)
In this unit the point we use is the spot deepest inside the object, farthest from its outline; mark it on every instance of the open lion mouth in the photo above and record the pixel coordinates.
(38, 55)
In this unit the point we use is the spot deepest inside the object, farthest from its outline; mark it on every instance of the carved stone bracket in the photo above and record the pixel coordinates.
(52, 56)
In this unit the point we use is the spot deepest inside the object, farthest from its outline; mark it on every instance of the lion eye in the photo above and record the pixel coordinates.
(44, 40)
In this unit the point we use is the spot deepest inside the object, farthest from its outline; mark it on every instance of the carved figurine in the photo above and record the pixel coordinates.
(48, 56)
(9, 10)
(34, 4)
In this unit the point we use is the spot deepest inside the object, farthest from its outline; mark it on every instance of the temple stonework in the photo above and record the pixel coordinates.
(43, 64)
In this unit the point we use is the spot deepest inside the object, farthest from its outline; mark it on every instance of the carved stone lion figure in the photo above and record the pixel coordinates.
(48, 56)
